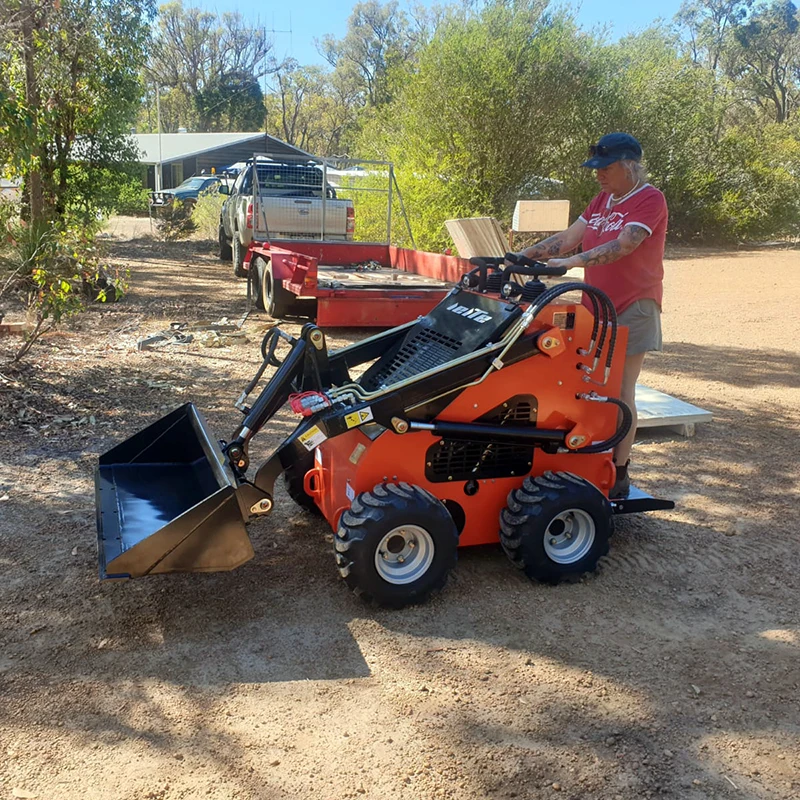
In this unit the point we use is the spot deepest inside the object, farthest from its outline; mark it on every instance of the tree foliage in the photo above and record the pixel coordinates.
(207, 67)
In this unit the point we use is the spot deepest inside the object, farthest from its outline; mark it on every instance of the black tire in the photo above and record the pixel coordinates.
(293, 480)
(556, 527)
(225, 249)
(419, 537)
(255, 272)
(238, 257)
(275, 300)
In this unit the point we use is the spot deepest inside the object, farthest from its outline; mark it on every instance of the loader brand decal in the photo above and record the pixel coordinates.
(475, 314)
(356, 418)
(312, 437)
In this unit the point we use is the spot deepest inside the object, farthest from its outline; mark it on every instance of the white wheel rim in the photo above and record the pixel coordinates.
(404, 554)
(569, 536)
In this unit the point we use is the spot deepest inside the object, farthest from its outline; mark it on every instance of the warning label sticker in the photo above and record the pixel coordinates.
(356, 418)
(349, 491)
(312, 437)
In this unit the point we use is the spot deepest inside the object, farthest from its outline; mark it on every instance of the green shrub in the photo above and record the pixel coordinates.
(205, 214)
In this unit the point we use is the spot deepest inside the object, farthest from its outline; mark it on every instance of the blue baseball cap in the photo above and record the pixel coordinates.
(613, 147)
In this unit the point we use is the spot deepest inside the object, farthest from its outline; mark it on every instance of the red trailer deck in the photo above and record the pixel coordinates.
(355, 284)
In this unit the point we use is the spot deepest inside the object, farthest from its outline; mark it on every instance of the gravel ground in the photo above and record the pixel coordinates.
(672, 672)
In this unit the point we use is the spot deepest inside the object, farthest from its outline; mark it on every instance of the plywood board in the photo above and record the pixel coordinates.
(660, 410)
(540, 216)
(478, 236)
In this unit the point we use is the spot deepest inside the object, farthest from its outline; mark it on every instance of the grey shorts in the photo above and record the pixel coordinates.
(643, 320)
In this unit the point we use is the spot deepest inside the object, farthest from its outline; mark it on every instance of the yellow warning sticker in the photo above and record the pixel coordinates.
(356, 418)
(312, 437)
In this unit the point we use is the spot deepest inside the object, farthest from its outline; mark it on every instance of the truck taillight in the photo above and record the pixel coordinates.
(351, 220)
(249, 215)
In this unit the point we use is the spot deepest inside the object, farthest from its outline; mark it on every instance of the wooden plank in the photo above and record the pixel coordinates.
(660, 410)
(540, 216)
(479, 236)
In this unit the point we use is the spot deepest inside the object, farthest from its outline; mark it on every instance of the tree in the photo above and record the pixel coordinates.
(377, 37)
(710, 25)
(767, 58)
(211, 64)
(69, 79)
(310, 108)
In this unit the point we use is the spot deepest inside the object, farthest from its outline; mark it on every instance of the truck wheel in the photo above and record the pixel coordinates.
(293, 480)
(277, 301)
(238, 257)
(225, 251)
(556, 527)
(396, 545)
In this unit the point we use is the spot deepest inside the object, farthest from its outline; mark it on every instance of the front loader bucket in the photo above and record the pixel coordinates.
(166, 502)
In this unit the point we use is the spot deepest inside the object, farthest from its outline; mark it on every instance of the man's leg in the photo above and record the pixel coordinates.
(622, 452)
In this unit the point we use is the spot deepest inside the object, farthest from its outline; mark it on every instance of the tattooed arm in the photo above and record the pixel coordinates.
(629, 239)
(558, 243)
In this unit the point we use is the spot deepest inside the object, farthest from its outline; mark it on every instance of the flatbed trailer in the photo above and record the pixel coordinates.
(349, 284)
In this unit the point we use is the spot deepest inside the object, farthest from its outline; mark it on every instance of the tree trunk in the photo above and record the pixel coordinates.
(33, 181)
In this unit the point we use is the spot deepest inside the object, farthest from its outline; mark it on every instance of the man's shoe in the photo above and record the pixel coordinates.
(622, 484)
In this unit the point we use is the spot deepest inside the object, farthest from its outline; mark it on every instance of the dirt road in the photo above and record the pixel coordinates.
(672, 673)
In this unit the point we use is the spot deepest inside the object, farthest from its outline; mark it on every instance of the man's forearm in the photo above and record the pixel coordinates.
(550, 247)
(606, 253)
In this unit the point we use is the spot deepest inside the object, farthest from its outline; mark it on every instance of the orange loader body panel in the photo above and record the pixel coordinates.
(353, 463)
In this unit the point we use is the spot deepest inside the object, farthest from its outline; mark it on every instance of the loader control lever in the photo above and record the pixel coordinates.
(480, 278)
(522, 265)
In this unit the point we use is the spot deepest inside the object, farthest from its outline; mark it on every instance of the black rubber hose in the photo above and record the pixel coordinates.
(621, 432)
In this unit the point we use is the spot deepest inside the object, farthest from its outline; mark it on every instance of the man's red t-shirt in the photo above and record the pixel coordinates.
(638, 275)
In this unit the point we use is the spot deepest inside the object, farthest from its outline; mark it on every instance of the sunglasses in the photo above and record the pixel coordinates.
(599, 150)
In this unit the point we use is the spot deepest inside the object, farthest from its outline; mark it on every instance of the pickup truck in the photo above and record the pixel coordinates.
(288, 205)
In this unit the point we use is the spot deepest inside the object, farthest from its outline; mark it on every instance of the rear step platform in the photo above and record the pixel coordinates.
(637, 501)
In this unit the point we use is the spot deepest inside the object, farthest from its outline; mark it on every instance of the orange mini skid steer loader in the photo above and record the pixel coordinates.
(474, 424)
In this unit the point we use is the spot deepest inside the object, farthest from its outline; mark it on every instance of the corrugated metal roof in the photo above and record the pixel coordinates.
(175, 146)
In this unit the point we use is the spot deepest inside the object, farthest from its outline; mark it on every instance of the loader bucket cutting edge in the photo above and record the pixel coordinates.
(166, 502)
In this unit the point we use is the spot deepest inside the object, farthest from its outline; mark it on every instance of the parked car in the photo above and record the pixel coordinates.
(290, 202)
(187, 192)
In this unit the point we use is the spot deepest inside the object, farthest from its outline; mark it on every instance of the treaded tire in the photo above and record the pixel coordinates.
(225, 249)
(258, 266)
(556, 527)
(293, 480)
(372, 517)
(275, 300)
(238, 257)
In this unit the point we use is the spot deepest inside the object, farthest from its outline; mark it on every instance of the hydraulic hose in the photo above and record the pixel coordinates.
(622, 429)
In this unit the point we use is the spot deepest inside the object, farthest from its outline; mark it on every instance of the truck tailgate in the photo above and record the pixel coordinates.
(302, 217)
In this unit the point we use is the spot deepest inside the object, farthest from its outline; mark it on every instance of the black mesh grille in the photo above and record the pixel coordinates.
(426, 349)
(453, 460)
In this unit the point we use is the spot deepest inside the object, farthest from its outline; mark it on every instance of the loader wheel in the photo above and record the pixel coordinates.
(238, 257)
(225, 250)
(556, 527)
(396, 545)
(277, 301)
(293, 480)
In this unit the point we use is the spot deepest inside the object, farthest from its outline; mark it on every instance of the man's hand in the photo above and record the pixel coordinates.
(559, 262)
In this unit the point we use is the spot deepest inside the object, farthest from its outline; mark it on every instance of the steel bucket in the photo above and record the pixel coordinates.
(167, 502)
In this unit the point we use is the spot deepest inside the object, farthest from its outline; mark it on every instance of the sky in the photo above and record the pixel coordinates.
(312, 19)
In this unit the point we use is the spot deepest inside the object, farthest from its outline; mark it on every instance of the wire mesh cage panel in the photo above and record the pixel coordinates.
(324, 199)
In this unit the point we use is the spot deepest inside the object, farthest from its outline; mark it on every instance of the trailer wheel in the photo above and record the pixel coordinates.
(396, 545)
(293, 480)
(277, 301)
(258, 266)
(556, 527)
(238, 257)
(225, 250)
